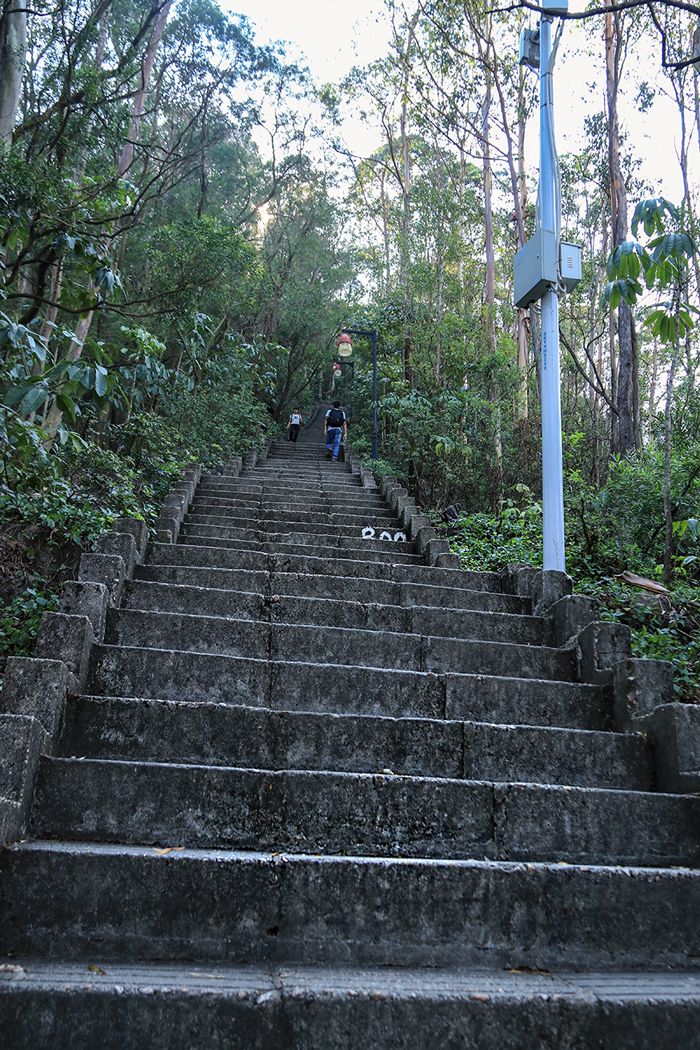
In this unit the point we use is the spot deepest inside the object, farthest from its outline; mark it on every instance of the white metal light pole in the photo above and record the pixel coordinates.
(552, 479)
(544, 268)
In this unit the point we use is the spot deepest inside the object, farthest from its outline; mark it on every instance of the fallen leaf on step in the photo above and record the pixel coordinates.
(528, 969)
(266, 997)
(94, 968)
(11, 968)
(642, 581)
(167, 849)
(480, 998)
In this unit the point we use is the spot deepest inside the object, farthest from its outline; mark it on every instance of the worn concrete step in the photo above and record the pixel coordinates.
(222, 734)
(73, 901)
(276, 532)
(396, 554)
(234, 505)
(347, 646)
(366, 512)
(289, 478)
(221, 558)
(298, 465)
(252, 512)
(165, 674)
(214, 556)
(359, 814)
(296, 527)
(253, 490)
(127, 1007)
(340, 612)
(309, 504)
(356, 499)
(285, 483)
(261, 640)
(302, 466)
(337, 588)
(303, 473)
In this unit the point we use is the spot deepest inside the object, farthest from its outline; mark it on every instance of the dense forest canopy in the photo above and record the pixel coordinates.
(184, 230)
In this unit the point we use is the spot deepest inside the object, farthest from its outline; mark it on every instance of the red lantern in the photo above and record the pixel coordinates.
(344, 345)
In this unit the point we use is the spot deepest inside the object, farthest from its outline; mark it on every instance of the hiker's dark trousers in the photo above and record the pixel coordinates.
(294, 429)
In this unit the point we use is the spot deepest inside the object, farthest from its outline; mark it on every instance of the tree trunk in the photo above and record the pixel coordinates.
(406, 179)
(55, 415)
(652, 384)
(127, 155)
(405, 234)
(13, 51)
(626, 432)
(490, 288)
(668, 507)
(385, 234)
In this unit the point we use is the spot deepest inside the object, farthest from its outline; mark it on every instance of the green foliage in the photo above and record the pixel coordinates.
(616, 528)
(20, 619)
(661, 628)
(662, 261)
(490, 541)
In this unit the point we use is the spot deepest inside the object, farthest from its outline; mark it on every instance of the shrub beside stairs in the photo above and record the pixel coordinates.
(269, 784)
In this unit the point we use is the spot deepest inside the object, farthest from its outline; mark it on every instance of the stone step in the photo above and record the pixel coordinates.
(290, 489)
(317, 460)
(305, 472)
(73, 901)
(312, 528)
(359, 814)
(485, 625)
(257, 491)
(396, 554)
(221, 558)
(276, 533)
(320, 474)
(159, 1005)
(163, 674)
(285, 503)
(288, 481)
(215, 556)
(252, 512)
(260, 738)
(329, 511)
(346, 646)
(336, 588)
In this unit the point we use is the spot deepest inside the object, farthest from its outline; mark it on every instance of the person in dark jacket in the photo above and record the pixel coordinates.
(335, 429)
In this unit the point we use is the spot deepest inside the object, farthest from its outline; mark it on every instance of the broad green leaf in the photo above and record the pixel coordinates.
(33, 399)
(101, 382)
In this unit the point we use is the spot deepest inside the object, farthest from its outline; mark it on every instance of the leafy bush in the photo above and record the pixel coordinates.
(665, 628)
(19, 620)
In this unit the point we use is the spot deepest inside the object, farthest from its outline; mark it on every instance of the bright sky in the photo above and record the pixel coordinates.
(334, 35)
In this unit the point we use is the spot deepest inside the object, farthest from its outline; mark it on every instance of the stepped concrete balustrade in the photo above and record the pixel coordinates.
(289, 777)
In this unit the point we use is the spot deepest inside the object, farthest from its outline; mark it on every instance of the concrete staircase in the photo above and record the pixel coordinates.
(321, 794)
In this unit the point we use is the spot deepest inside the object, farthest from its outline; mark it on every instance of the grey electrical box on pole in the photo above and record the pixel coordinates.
(535, 268)
(530, 48)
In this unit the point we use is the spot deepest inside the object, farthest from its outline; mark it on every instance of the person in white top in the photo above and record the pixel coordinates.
(294, 425)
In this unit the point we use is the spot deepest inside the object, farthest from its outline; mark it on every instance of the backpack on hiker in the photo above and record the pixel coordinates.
(335, 417)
